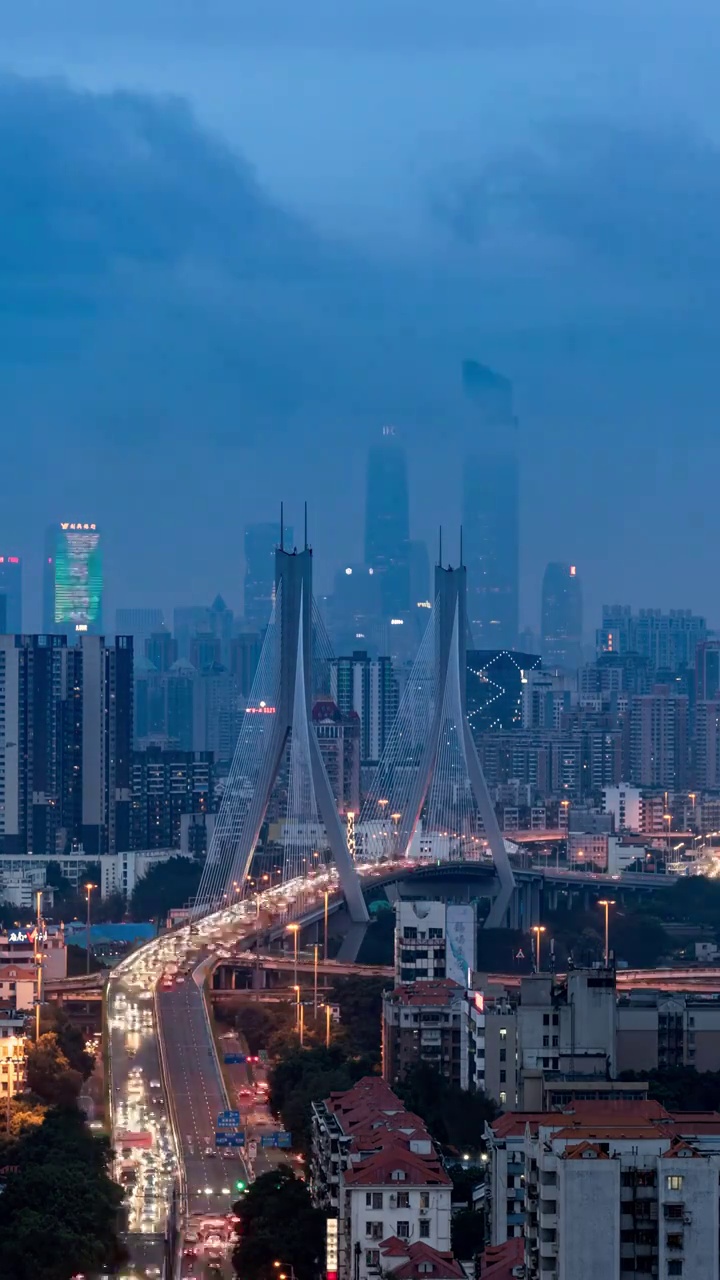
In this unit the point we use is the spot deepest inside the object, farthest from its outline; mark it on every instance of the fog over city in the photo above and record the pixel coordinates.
(240, 239)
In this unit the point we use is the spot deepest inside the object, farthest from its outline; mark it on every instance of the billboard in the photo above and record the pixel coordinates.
(77, 603)
(461, 942)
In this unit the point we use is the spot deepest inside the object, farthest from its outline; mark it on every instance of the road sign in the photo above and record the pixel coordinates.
(234, 1059)
(236, 1139)
(222, 1139)
(228, 1120)
(252, 1149)
(279, 1139)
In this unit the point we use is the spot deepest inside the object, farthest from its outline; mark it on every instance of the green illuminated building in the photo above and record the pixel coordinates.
(73, 580)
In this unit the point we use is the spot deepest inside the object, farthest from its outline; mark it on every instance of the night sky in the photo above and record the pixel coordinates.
(237, 238)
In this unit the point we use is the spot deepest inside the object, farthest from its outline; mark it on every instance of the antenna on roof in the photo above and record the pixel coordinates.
(306, 526)
(461, 549)
(282, 528)
(440, 549)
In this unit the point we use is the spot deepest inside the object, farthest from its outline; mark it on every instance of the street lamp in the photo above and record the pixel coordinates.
(607, 903)
(328, 1016)
(295, 930)
(316, 948)
(537, 929)
(88, 888)
(296, 989)
(38, 963)
(326, 896)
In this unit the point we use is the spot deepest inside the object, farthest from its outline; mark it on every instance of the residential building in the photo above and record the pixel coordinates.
(490, 509)
(141, 624)
(610, 1190)
(119, 873)
(562, 617)
(18, 949)
(706, 745)
(623, 803)
(707, 671)
(375, 1168)
(669, 640)
(435, 940)
(166, 785)
(339, 741)
(369, 688)
(438, 1022)
(659, 739)
(13, 1048)
(66, 721)
(658, 1030)
(17, 985)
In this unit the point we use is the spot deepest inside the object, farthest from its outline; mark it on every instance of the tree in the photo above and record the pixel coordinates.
(49, 1074)
(59, 1210)
(360, 1002)
(455, 1117)
(169, 884)
(70, 1038)
(303, 1076)
(77, 961)
(278, 1224)
(467, 1233)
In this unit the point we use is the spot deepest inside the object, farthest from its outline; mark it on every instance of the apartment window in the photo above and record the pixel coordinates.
(503, 1077)
(373, 1199)
(398, 1175)
(403, 1200)
(674, 1182)
(674, 1240)
(674, 1211)
(503, 1033)
(556, 1020)
(403, 1229)
(503, 1098)
(546, 1019)
(374, 1230)
(424, 1228)
(503, 1055)
(546, 1042)
(424, 1199)
(372, 1257)
(555, 1041)
(675, 1267)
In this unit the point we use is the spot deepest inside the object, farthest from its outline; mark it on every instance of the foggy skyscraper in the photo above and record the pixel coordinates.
(11, 593)
(387, 522)
(260, 543)
(491, 509)
(562, 616)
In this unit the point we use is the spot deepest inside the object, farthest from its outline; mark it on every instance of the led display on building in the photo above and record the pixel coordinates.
(78, 576)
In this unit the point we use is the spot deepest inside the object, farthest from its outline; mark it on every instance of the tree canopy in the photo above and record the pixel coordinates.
(303, 1076)
(455, 1117)
(166, 886)
(279, 1224)
(58, 1212)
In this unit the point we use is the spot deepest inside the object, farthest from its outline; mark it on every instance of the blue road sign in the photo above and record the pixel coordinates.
(228, 1120)
(278, 1139)
(233, 1059)
(236, 1139)
(222, 1139)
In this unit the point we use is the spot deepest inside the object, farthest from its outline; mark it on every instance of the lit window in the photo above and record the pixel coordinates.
(674, 1182)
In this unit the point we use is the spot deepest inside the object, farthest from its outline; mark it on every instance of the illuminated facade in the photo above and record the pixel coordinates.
(562, 616)
(73, 580)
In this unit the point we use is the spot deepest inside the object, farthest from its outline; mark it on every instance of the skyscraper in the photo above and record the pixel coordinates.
(65, 754)
(491, 509)
(138, 623)
(562, 616)
(73, 579)
(260, 543)
(11, 592)
(387, 523)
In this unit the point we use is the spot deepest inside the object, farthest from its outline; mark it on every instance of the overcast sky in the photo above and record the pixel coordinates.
(238, 237)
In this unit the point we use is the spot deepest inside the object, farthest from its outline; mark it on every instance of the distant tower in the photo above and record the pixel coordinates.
(73, 579)
(11, 592)
(260, 543)
(387, 522)
(491, 509)
(562, 616)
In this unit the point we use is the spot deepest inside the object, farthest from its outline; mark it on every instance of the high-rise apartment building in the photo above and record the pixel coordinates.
(259, 587)
(166, 785)
(387, 523)
(669, 640)
(659, 739)
(562, 616)
(11, 593)
(435, 940)
(338, 737)
(369, 688)
(707, 671)
(706, 745)
(490, 510)
(73, 579)
(66, 723)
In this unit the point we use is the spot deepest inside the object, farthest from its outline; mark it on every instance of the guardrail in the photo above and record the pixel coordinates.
(176, 1262)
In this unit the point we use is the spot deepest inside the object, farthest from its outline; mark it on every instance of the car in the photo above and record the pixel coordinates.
(153, 1271)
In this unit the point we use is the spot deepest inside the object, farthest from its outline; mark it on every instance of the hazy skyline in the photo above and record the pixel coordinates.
(238, 243)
